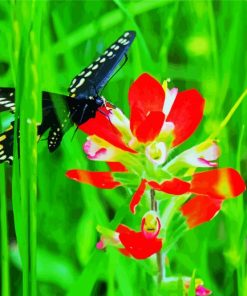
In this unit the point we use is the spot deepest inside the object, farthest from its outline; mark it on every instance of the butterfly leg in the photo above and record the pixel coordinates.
(83, 112)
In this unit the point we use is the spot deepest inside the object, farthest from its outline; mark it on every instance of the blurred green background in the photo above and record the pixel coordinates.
(198, 44)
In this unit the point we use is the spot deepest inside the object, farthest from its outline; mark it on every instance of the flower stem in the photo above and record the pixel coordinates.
(154, 207)
(228, 116)
(160, 267)
(153, 201)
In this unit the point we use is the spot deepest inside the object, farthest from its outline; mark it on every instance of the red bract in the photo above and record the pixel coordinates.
(136, 244)
(139, 245)
(210, 189)
(160, 119)
(186, 114)
(97, 179)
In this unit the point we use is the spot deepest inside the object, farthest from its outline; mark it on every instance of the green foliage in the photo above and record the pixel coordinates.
(198, 44)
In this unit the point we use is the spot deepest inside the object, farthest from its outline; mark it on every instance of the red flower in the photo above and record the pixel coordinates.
(139, 245)
(200, 289)
(160, 119)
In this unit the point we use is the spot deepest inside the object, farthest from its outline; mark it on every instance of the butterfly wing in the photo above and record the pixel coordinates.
(6, 145)
(7, 99)
(55, 119)
(93, 78)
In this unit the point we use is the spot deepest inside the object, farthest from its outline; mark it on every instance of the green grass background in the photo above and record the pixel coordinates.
(198, 44)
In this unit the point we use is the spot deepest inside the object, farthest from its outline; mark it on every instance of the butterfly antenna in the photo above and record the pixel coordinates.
(74, 132)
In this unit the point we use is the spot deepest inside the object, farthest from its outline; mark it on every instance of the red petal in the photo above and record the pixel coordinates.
(220, 183)
(138, 195)
(174, 186)
(200, 209)
(186, 114)
(102, 127)
(150, 128)
(97, 179)
(145, 95)
(117, 167)
(136, 244)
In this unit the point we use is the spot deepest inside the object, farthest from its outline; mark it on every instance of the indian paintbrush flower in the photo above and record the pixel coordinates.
(138, 150)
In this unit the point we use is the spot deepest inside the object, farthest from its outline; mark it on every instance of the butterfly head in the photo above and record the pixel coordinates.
(99, 101)
(102, 102)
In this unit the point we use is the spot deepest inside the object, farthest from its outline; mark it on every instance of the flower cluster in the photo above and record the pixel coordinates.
(138, 151)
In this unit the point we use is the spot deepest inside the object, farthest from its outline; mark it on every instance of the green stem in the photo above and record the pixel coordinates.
(4, 236)
(159, 259)
(229, 115)
(153, 201)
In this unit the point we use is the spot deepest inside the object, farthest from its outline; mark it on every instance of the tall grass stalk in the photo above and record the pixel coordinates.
(28, 96)
(5, 291)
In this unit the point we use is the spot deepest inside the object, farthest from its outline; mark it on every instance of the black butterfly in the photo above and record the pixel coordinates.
(61, 112)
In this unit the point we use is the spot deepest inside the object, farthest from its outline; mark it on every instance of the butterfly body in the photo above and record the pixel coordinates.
(83, 109)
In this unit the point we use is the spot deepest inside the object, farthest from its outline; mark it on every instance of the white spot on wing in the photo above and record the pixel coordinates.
(126, 34)
(102, 60)
(81, 82)
(116, 47)
(88, 74)
(126, 42)
(122, 40)
(110, 54)
(95, 67)
(10, 105)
